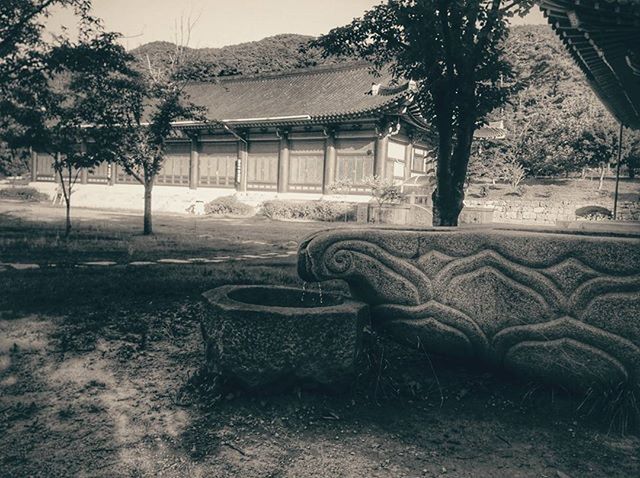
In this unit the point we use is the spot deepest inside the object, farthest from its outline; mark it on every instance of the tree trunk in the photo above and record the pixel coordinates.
(66, 194)
(67, 228)
(148, 226)
(447, 202)
(632, 172)
(448, 199)
(445, 209)
(446, 212)
(601, 183)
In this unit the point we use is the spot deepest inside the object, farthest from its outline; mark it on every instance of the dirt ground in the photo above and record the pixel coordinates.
(573, 190)
(99, 376)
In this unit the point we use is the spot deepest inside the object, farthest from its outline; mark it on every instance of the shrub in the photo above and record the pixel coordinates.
(308, 210)
(228, 206)
(384, 191)
(23, 194)
(341, 186)
(514, 173)
(594, 213)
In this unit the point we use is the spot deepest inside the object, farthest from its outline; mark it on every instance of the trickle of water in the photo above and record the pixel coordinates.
(320, 292)
(304, 290)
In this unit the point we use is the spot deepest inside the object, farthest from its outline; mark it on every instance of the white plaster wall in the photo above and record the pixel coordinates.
(174, 199)
(131, 196)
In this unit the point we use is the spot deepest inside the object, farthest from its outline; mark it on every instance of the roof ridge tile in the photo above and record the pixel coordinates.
(306, 71)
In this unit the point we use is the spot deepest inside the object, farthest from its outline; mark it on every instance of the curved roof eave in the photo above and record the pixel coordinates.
(603, 39)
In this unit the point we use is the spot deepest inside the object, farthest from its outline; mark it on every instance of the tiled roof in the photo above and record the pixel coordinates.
(322, 93)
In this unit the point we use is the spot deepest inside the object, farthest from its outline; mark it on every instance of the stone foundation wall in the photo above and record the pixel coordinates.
(172, 199)
(178, 199)
(520, 211)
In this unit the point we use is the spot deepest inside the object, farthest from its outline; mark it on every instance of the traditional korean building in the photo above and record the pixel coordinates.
(294, 133)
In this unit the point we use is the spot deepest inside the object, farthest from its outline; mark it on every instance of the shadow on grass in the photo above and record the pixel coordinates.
(99, 237)
(624, 197)
(548, 182)
(49, 427)
(60, 289)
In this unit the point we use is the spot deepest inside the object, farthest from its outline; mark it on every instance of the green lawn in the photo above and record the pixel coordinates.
(35, 232)
(99, 374)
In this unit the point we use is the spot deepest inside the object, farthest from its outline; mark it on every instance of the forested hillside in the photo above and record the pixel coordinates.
(276, 53)
(534, 49)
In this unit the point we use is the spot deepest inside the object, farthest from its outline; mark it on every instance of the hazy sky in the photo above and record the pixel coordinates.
(225, 22)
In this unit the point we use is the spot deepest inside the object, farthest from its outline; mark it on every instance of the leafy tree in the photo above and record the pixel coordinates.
(89, 83)
(633, 163)
(23, 84)
(74, 98)
(21, 28)
(486, 162)
(13, 162)
(631, 151)
(148, 121)
(555, 124)
(454, 50)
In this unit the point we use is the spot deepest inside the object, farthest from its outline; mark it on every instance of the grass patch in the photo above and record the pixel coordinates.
(557, 190)
(617, 406)
(118, 237)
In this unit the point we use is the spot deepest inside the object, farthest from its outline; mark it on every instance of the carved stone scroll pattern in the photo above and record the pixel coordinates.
(564, 319)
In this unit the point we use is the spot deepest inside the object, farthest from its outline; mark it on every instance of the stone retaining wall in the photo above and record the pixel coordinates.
(522, 211)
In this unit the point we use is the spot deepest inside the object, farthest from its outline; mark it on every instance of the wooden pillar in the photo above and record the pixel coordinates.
(408, 156)
(380, 156)
(34, 165)
(329, 162)
(283, 163)
(194, 163)
(241, 167)
(55, 173)
(84, 172)
(112, 173)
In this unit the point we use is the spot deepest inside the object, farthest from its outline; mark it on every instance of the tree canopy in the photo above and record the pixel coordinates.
(555, 123)
(23, 84)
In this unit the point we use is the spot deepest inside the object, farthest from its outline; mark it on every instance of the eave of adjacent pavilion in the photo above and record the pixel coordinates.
(603, 37)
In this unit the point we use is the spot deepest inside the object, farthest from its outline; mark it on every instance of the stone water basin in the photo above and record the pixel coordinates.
(258, 336)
